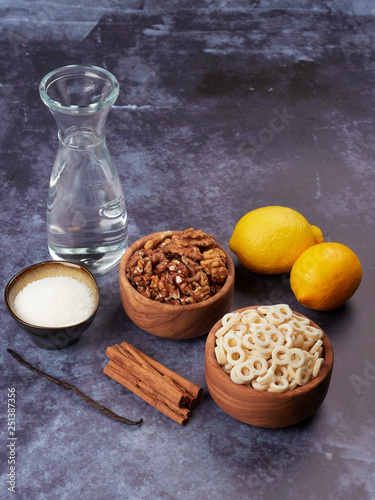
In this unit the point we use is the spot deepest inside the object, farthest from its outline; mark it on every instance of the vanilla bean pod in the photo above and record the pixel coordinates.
(97, 406)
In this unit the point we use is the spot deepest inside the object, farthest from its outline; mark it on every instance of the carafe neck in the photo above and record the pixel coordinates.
(72, 125)
(81, 138)
(80, 98)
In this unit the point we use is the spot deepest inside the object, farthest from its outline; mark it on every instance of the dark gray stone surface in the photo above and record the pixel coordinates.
(190, 135)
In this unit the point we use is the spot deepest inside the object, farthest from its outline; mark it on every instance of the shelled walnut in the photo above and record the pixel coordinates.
(178, 269)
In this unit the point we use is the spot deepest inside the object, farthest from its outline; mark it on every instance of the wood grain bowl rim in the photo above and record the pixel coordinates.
(129, 289)
(243, 391)
(41, 270)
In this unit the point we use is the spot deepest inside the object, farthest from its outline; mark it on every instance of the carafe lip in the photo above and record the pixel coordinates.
(72, 70)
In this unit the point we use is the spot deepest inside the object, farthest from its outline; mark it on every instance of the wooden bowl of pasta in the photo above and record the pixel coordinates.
(259, 406)
(168, 320)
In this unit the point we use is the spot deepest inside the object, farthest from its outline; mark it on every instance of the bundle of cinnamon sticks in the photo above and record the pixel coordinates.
(156, 384)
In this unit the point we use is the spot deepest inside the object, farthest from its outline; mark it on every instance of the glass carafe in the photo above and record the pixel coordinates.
(86, 213)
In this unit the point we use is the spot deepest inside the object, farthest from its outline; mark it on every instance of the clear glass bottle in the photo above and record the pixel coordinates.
(86, 213)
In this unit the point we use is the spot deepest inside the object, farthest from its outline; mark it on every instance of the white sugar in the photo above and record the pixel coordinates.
(54, 302)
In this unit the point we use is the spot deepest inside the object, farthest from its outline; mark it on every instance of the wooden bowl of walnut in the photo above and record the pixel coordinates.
(264, 408)
(167, 320)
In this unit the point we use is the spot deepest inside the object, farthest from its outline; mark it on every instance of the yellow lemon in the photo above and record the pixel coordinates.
(269, 240)
(325, 276)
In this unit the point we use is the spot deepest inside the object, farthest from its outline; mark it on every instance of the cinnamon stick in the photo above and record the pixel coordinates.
(159, 386)
(152, 379)
(146, 389)
(133, 353)
(194, 392)
(179, 415)
(130, 351)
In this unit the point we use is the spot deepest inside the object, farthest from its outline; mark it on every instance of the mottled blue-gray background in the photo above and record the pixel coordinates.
(191, 136)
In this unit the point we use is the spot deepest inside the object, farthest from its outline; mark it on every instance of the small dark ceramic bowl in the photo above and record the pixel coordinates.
(168, 320)
(51, 337)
